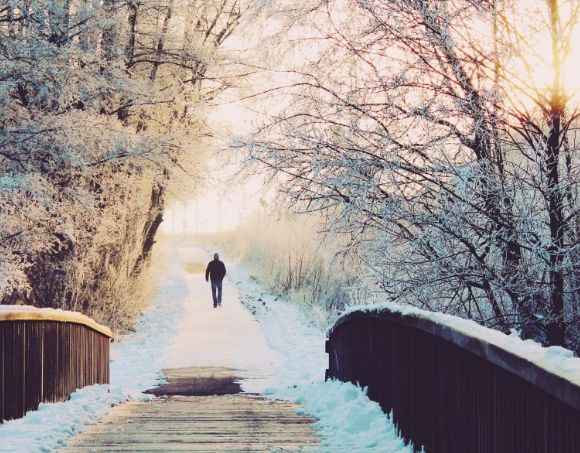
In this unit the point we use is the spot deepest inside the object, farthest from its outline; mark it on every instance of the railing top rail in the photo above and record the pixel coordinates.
(29, 313)
(555, 370)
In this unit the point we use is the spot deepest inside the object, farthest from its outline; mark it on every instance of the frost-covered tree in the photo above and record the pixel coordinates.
(423, 131)
(102, 106)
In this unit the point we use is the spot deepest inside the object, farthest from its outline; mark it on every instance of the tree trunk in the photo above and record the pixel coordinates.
(155, 217)
(58, 20)
(109, 38)
(161, 41)
(555, 327)
(132, 20)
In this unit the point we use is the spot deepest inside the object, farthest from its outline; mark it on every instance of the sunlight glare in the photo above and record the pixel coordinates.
(532, 66)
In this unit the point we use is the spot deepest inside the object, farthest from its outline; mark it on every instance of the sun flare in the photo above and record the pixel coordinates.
(535, 68)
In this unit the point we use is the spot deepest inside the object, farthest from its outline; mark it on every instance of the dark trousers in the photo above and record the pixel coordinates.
(216, 292)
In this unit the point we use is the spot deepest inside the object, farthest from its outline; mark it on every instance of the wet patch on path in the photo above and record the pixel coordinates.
(198, 381)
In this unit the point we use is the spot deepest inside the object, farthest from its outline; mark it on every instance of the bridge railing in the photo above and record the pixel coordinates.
(45, 355)
(456, 387)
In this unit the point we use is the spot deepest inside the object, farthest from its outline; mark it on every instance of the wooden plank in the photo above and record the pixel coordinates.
(201, 423)
(256, 437)
(233, 448)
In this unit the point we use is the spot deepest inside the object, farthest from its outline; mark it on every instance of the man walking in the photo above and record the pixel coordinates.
(216, 271)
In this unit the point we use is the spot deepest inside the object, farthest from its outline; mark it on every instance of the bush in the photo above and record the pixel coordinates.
(292, 259)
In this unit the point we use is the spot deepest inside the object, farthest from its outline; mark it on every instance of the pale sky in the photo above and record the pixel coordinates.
(224, 206)
(220, 207)
(211, 212)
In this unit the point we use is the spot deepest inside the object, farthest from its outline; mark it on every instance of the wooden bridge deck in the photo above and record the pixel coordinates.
(209, 423)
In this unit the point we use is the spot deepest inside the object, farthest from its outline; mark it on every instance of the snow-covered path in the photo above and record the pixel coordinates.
(228, 336)
(277, 351)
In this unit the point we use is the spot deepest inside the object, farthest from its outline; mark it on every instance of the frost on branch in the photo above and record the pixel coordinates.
(101, 110)
(456, 174)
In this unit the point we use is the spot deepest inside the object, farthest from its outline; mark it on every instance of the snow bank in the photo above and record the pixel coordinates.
(348, 419)
(50, 426)
(554, 359)
(135, 367)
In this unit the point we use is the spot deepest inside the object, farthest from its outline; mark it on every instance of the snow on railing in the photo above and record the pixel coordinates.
(456, 386)
(47, 354)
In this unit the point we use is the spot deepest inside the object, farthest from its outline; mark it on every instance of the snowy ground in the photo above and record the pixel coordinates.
(348, 420)
(278, 352)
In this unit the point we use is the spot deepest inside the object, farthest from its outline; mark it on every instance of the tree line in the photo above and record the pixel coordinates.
(102, 114)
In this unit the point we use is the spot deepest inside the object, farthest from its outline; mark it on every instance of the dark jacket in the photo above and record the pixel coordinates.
(216, 270)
